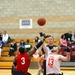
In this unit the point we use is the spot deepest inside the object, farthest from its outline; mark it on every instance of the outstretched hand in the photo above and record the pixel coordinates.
(44, 35)
(67, 49)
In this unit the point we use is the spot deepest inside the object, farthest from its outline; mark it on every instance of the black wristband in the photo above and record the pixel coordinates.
(35, 47)
(38, 45)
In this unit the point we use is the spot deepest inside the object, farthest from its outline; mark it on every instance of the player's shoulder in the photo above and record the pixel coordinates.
(60, 56)
(49, 45)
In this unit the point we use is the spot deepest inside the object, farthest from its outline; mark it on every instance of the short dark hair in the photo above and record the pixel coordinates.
(21, 50)
(62, 36)
(27, 40)
(51, 37)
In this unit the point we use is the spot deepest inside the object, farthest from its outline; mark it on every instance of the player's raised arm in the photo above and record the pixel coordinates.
(67, 58)
(33, 50)
(45, 48)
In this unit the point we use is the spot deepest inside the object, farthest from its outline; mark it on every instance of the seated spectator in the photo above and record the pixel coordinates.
(13, 47)
(22, 43)
(9, 39)
(74, 36)
(68, 36)
(28, 46)
(0, 36)
(5, 38)
(0, 47)
(36, 40)
(63, 41)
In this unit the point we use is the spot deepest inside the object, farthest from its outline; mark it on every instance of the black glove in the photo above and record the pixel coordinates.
(39, 44)
(41, 34)
(67, 49)
(46, 36)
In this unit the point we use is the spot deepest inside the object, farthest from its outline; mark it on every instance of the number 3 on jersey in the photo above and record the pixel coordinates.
(22, 60)
(51, 61)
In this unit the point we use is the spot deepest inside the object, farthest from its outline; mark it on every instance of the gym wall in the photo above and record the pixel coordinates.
(59, 15)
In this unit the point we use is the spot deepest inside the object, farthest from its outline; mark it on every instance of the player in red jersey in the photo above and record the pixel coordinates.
(22, 60)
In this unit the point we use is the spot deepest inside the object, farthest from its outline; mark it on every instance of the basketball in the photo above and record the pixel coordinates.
(41, 21)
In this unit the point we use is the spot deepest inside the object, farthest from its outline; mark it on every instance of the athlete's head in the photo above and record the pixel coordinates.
(55, 49)
(21, 50)
(50, 40)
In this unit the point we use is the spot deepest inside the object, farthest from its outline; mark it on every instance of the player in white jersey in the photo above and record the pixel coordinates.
(53, 60)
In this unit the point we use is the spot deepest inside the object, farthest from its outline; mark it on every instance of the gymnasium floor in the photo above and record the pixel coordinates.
(34, 72)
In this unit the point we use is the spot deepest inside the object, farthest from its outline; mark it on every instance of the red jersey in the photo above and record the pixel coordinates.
(22, 62)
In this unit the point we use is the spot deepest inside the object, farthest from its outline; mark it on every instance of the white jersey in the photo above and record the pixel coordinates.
(49, 50)
(53, 63)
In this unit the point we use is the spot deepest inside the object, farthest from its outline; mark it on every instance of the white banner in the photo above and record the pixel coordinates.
(25, 23)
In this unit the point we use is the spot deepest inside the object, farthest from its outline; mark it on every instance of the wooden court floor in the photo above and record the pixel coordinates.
(34, 72)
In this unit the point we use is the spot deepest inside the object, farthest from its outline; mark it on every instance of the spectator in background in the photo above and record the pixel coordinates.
(1, 45)
(5, 38)
(68, 36)
(63, 41)
(13, 47)
(28, 46)
(63, 44)
(9, 39)
(74, 36)
(36, 40)
(0, 36)
(22, 43)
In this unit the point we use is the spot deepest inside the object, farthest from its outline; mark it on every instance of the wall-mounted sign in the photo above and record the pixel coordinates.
(25, 23)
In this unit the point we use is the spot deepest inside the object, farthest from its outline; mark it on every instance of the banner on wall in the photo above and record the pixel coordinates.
(25, 23)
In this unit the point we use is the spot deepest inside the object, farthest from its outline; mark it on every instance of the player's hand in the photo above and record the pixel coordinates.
(67, 49)
(44, 35)
(41, 34)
